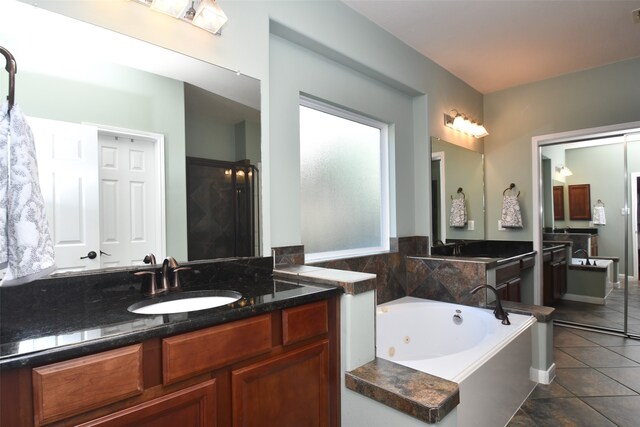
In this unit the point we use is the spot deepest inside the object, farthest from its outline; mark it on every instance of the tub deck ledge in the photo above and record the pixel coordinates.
(418, 394)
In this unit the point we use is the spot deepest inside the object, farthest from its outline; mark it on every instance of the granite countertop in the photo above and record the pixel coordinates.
(490, 261)
(69, 316)
(423, 396)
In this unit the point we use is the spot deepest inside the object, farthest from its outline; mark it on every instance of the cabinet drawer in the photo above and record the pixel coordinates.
(507, 271)
(306, 321)
(208, 349)
(67, 388)
(559, 255)
(194, 407)
(527, 262)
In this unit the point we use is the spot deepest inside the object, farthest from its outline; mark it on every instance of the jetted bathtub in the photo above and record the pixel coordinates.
(468, 345)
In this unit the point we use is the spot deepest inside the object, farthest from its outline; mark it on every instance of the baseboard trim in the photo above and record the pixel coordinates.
(543, 377)
(583, 298)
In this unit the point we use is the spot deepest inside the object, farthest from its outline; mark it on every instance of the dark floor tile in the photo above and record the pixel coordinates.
(563, 337)
(520, 419)
(623, 411)
(547, 391)
(605, 339)
(631, 352)
(568, 412)
(629, 377)
(563, 360)
(590, 382)
(599, 357)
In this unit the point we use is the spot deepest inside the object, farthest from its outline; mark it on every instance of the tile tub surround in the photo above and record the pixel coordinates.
(288, 255)
(447, 280)
(389, 268)
(65, 317)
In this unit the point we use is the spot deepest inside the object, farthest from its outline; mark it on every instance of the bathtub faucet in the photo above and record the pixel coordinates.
(586, 254)
(498, 311)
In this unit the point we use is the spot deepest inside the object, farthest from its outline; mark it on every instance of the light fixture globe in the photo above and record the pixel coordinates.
(209, 16)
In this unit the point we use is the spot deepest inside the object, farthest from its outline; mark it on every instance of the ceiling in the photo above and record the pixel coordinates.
(494, 45)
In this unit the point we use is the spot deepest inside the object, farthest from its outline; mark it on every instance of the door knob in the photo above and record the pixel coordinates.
(90, 255)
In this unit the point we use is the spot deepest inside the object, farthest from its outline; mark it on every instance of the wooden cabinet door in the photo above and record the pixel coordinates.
(558, 202)
(547, 283)
(289, 390)
(580, 202)
(513, 290)
(194, 406)
(559, 278)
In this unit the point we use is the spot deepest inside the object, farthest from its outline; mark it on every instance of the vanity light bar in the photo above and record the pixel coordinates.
(462, 124)
(207, 15)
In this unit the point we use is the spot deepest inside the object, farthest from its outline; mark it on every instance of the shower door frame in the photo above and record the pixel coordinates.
(537, 143)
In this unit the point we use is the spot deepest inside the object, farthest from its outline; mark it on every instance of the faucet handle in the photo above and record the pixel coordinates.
(174, 284)
(150, 286)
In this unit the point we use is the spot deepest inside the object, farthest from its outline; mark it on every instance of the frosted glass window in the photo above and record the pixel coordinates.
(343, 184)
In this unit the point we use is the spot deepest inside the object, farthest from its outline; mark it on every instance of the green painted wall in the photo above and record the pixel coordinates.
(596, 97)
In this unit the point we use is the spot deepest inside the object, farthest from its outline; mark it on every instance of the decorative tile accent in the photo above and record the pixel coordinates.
(390, 268)
(445, 280)
(288, 255)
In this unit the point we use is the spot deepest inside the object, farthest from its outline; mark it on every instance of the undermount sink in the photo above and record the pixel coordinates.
(185, 301)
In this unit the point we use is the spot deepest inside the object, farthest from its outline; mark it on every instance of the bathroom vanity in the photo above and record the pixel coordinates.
(73, 355)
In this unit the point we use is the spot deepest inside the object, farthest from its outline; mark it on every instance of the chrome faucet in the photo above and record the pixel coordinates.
(586, 254)
(498, 311)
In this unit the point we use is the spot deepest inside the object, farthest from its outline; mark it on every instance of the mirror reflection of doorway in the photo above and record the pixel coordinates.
(435, 200)
(605, 297)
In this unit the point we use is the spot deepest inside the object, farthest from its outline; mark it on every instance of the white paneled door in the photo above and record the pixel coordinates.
(100, 191)
(67, 158)
(127, 200)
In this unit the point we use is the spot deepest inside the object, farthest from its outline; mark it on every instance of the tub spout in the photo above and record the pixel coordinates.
(586, 254)
(498, 311)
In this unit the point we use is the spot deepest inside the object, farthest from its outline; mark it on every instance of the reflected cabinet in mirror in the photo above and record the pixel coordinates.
(558, 202)
(457, 189)
(114, 120)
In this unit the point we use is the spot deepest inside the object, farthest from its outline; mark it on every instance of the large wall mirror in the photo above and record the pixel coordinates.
(146, 109)
(456, 172)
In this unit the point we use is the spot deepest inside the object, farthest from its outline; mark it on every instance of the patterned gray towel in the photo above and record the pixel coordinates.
(30, 253)
(458, 214)
(511, 216)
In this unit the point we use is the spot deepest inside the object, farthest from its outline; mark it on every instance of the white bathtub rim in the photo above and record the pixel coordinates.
(458, 358)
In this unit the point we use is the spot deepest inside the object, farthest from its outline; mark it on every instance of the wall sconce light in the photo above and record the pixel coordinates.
(207, 15)
(462, 124)
(563, 170)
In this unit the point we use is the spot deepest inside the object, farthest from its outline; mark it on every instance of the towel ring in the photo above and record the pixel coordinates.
(460, 192)
(511, 187)
(12, 68)
(600, 203)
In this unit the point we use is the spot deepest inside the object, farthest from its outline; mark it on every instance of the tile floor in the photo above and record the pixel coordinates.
(609, 315)
(597, 383)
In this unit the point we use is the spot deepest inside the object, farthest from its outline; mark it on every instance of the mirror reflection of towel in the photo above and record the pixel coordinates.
(28, 248)
(599, 217)
(458, 214)
(511, 216)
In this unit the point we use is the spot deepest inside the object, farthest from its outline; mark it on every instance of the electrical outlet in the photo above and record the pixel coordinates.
(500, 227)
(471, 225)
(636, 16)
